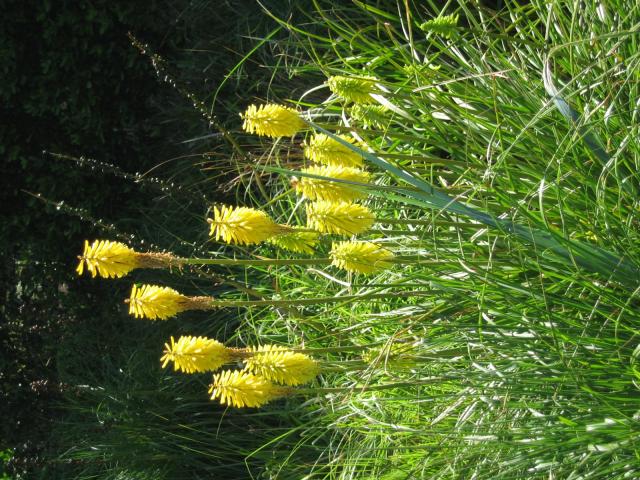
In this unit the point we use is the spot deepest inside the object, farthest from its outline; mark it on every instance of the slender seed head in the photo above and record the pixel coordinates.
(243, 225)
(243, 389)
(321, 148)
(196, 354)
(342, 218)
(360, 257)
(156, 302)
(297, 242)
(277, 364)
(107, 259)
(272, 120)
(353, 89)
(316, 189)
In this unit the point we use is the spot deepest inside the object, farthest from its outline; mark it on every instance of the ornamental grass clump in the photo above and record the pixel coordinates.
(244, 226)
(360, 257)
(321, 148)
(272, 120)
(320, 189)
(353, 89)
(240, 389)
(154, 302)
(114, 259)
(197, 354)
(342, 218)
(278, 364)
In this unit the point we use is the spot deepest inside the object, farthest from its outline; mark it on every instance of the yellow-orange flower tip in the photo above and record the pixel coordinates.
(360, 257)
(272, 120)
(281, 365)
(156, 302)
(195, 354)
(243, 389)
(317, 189)
(321, 148)
(243, 225)
(297, 242)
(353, 89)
(107, 259)
(341, 218)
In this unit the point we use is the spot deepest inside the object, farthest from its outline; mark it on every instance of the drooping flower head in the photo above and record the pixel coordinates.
(280, 365)
(243, 389)
(152, 301)
(243, 225)
(321, 148)
(360, 257)
(114, 259)
(107, 259)
(196, 354)
(316, 189)
(272, 120)
(297, 242)
(342, 218)
(353, 89)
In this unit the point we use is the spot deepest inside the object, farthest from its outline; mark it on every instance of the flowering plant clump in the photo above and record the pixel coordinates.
(353, 89)
(280, 365)
(196, 354)
(360, 257)
(317, 189)
(272, 120)
(341, 218)
(243, 389)
(243, 225)
(321, 148)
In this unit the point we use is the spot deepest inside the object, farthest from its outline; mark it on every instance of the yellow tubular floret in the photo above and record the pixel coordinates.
(297, 242)
(317, 189)
(153, 302)
(360, 257)
(280, 365)
(107, 259)
(243, 225)
(321, 148)
(243, 389)
(272, 120)
(353, 89)
(341, 218)
(196, 354)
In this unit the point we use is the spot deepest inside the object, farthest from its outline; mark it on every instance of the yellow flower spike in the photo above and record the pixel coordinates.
(243, 389)
(243, 225)
(114, 259)
(342, 218)
(375, 116)
(196, 354)
(154, 302)
(353, 89)
(360, 257)
(316, 189)
(281, 365)
(297, 242)
(107, 259)
(272, 120)
(321, 148)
